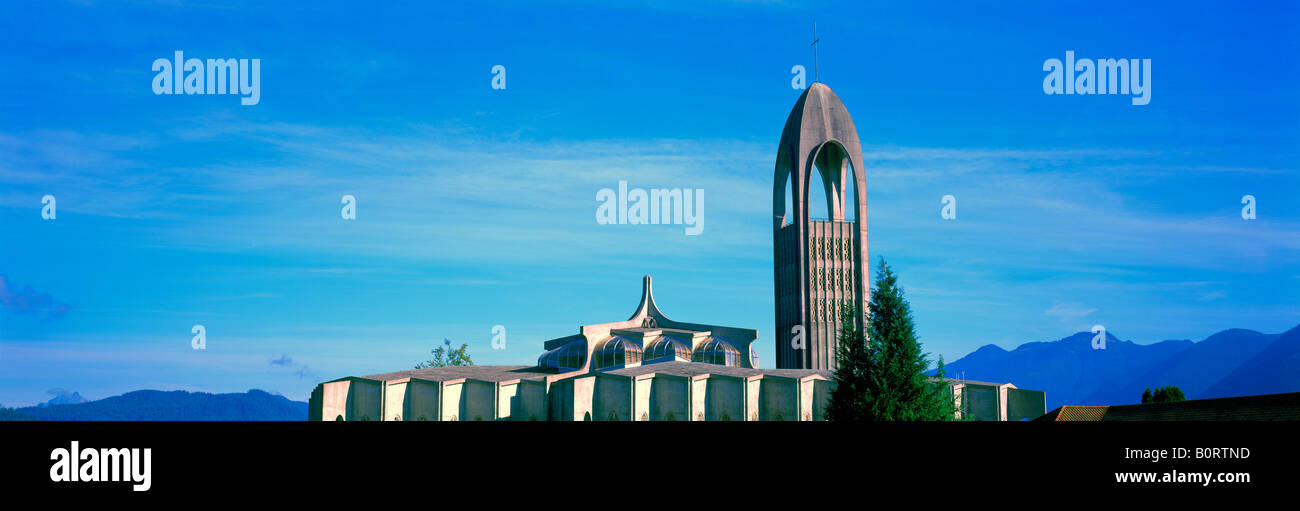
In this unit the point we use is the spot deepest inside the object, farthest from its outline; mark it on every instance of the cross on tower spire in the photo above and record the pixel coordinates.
(814, 45)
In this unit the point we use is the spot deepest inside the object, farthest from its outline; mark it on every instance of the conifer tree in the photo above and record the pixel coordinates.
(882, 375)
(851, 400)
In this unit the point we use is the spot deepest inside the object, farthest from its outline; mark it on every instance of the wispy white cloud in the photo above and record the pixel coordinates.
(483, 198)
(1070, 311)
(1038, 232)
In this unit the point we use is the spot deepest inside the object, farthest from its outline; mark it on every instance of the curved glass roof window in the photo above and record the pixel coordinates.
(616, 351)
(570, 357)
(717, 350)
(667, 349)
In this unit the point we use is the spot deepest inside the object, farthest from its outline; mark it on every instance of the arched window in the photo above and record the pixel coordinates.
(717, 350)
(616, 351)
(569, 357)
(667, 349)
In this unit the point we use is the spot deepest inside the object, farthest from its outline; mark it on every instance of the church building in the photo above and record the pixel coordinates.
(652, 368)
(647, 367)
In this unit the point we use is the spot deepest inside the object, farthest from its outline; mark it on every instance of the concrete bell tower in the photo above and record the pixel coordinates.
(820, 264)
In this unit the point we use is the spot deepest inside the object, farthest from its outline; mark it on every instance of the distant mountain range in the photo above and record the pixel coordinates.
(1234, 362)
(63, 398)
(146, 405)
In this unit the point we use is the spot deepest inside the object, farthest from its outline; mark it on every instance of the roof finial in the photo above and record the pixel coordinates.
(814, 45)
(647, 306)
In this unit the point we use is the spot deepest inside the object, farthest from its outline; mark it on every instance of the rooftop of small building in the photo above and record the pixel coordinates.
(1266, 407)
(979, 383)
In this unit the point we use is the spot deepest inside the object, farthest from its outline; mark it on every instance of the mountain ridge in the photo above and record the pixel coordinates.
(1231, 362)
(148, 404)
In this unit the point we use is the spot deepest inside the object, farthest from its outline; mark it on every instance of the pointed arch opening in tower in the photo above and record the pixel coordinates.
(784, 213)
(789, 200)
(826, 197)
(818, 200)
(850, 193)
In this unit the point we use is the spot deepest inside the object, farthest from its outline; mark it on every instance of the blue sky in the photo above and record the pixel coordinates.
(475, 207)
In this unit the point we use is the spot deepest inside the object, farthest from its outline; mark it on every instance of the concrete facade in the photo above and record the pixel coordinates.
(820, 265)
(671, 391)
(984, 401)
(647, 368)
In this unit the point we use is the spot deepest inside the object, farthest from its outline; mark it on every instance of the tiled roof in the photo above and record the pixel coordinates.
(1267, 407)
(1075, 413)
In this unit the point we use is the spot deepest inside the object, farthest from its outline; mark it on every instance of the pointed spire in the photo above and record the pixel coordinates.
(647, 307)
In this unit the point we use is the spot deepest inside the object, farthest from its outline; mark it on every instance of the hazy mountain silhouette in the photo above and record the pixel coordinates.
(1273, 369)
(1068, 370)
(1233, 362)
(1193, 370)
(176, 405)
(62, 397)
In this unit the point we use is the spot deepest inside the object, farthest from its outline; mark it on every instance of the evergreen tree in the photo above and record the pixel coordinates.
(902, 390)
(1168, 394)
(882, 375)
(851, 399)
(1146, 396)
(12, 414)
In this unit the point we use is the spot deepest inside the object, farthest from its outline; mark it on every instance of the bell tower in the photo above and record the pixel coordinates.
(820, 263)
